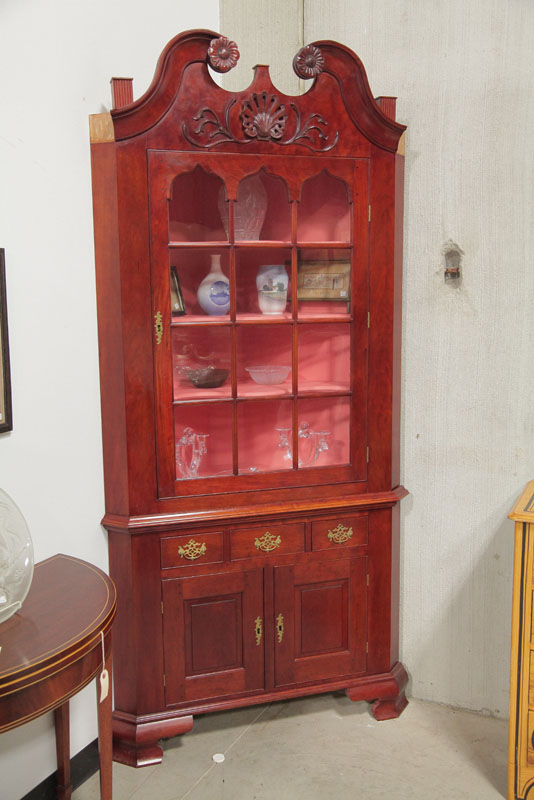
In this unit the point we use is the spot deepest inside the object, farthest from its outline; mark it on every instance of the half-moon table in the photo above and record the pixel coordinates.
(54, 646)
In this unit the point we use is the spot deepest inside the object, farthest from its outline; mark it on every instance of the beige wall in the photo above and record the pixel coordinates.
(464, 78)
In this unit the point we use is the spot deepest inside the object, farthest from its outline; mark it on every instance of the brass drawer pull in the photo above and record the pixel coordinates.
(192, 550)
(280, 627)
(267, 542)
(340, 534)
(258, 630)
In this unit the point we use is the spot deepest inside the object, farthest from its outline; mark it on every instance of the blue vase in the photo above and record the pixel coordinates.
(214, 292)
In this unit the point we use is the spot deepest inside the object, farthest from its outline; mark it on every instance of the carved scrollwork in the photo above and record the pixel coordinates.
(263, 117)
(223, 54)
(309, 62)
(312, 129)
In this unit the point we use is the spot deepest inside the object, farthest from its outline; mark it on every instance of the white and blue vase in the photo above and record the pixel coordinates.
(214, 292)
(271, 283)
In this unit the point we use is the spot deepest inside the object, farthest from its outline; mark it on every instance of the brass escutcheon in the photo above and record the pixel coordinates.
(268, 542)
(192, 550)
(280, 627)
(340, 534)
(158, 326)
(258, 630)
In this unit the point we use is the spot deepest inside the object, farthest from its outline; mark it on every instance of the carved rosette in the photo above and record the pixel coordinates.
(263, 116)
(309, 62)
(223, 54)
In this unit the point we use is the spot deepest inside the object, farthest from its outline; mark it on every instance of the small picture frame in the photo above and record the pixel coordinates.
(324, 280)
(6, 418)
(177, 299)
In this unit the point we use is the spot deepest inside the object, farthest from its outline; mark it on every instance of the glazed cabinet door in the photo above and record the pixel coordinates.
(320, 620)
(213, 635)
(259, 276)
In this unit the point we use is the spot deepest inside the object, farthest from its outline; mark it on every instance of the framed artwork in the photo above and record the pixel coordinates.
(323, 280)
(6, 419)
(177, 300)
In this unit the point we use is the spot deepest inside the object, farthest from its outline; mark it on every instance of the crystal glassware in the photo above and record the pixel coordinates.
(189, 451)
(311, 444)
(16, 558)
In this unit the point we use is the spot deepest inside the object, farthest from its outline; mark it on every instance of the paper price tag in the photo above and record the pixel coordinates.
(104, 685)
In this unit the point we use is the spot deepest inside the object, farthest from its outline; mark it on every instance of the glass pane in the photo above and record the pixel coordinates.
(262, 209)
(264, 360)
(203, 440)
(194, 214)
(324, 358)
(263, 282)
(260, 428)
(324, 210)
(201, 362)
(323, 285)
(199, 284)
(324, 431)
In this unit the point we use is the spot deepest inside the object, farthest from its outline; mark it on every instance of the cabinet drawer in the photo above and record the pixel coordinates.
(198, 548)
(328, 534)
(253, 542)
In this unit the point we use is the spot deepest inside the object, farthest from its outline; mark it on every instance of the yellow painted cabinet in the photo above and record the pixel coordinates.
(521, 746)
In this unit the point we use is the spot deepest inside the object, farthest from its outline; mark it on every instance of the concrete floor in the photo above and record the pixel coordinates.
(324, 748)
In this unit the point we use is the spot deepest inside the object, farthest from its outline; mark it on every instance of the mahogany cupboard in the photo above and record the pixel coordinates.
(248, 254)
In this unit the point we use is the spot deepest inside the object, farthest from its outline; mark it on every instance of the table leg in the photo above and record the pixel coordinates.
(105, 735)
(61, 723)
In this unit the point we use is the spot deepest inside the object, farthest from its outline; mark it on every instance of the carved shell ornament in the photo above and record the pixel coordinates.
(263, 116)
(223, 54)
(309, 62)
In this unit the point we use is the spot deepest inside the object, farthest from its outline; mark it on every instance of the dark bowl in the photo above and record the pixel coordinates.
(208, 378)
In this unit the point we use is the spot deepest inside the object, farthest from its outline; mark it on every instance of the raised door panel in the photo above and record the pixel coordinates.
(320, 621)
(213, 635)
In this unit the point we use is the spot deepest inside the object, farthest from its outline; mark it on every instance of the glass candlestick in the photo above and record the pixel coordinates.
(311, 444)
(189, 451)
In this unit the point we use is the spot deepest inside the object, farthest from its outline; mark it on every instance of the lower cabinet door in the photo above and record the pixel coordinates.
(213, 635)
(320, 620)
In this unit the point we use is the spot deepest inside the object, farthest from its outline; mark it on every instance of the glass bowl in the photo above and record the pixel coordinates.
(207, 377)
(269, 373)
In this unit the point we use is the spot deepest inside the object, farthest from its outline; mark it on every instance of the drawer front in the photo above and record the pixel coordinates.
(267, 540)
(335, 533)
(191, 549)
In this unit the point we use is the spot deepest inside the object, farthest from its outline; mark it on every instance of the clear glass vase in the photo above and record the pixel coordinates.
(16, 558)
(249, 210)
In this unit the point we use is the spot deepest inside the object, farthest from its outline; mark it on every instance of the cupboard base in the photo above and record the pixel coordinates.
(135, 739)
(391, 700)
